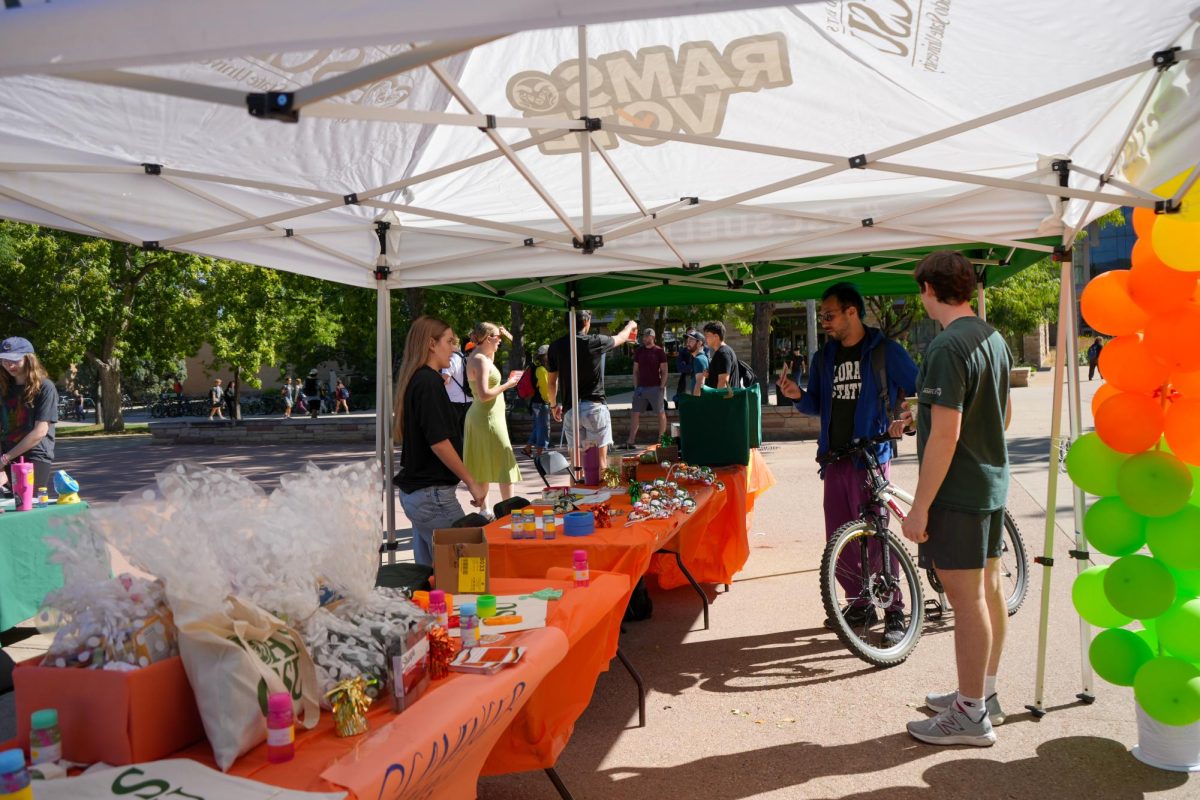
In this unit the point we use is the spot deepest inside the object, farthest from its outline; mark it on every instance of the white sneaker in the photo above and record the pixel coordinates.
(941, 702)
(953, 726)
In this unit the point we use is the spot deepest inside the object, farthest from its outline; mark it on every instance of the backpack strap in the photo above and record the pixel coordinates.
(879, 367)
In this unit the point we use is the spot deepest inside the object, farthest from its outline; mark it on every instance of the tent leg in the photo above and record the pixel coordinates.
(383, 411)
(1079, 507)
(572, 333)
(1065, 309)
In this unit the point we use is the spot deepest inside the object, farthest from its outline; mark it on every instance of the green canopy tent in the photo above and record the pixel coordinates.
(875, 274)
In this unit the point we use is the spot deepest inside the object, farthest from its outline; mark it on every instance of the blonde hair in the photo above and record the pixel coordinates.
(482, 331)
(34, 374)
(424, 331)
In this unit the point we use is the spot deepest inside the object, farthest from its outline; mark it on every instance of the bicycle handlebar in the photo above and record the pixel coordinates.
(856, 446)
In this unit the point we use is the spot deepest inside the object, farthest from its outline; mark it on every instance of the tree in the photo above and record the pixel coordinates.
(895, 314)
(79, 298)
(252, 312)
(760, 346)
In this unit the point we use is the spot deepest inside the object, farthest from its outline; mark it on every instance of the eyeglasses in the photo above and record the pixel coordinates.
(828, 316)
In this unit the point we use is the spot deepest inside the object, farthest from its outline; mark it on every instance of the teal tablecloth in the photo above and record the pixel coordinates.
(25, 574)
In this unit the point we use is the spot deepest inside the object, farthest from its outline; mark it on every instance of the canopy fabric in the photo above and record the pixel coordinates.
(757, 135)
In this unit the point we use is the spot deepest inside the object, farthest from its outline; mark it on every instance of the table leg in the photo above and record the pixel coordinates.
(563, 791)
(692, 581)
(637, 678)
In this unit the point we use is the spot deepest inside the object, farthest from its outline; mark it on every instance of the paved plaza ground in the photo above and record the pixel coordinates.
(767, 703)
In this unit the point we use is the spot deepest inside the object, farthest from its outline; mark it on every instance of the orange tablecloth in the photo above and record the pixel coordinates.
(621, 548)
(717, 551)
(518, 719)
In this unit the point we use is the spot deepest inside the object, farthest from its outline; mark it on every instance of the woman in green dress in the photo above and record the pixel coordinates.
(487, 452)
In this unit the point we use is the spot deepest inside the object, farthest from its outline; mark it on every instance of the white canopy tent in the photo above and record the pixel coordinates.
(284, 133)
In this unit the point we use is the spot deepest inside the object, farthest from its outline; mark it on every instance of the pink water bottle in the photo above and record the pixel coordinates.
(22, 479)
(582, 574)
(281, 728)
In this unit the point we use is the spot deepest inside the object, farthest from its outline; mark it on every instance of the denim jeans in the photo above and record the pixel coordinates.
(427, 509)
(539, 435)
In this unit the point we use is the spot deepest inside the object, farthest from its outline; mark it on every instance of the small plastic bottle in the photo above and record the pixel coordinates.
(14, 778)
(582, 574)
(45, 737)
(43, 497)
(281, 728)
(468, 625)
(437, 607)
(549, 528)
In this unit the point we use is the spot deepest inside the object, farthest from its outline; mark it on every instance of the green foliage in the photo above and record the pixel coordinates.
(1019, 305)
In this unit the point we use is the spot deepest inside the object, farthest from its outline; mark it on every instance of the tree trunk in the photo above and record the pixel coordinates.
(110, 395)
(415, 300)
(235, 413)
(516, 359)
(760, 346)
(645, 319)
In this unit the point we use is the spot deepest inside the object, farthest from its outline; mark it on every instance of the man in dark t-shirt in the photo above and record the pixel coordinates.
(957, 514)
(722, 369)
(843, 390)
(595, 424)
(650, 385)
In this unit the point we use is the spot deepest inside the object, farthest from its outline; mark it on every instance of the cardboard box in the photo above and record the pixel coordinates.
(114, 717)
(460, 560)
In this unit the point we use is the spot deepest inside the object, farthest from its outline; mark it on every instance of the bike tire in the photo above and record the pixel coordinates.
(1014, 567)
(862, 640)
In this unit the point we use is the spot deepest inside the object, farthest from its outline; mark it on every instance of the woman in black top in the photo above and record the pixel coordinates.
(431, 438)
(28, 412)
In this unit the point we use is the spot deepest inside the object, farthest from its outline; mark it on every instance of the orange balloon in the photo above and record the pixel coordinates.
(1156, 287)
(1143, 222)
(1105, 391)
(1172, 338)
(1126, 363)
(1182, 428)
(1186, 383)
(1130, 423)
(1107, 306)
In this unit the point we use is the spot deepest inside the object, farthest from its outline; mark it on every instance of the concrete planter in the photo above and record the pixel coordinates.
(1019, 376)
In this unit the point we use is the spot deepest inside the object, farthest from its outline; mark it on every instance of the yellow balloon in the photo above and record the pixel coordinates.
(1177, 242)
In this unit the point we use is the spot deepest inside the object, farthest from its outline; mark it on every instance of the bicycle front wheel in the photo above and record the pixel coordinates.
(868, 576)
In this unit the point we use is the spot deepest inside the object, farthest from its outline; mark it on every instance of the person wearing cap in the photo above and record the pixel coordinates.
(694, 342)
(650, 386)
(539, 406)
(312, 393)
(28, 412)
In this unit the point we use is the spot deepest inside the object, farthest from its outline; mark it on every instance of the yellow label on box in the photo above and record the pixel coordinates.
(472, 575)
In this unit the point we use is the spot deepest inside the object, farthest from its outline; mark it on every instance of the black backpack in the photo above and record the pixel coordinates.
(746, 376)
(466, 384)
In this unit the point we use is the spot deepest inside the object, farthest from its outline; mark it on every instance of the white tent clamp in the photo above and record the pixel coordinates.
(740, 155)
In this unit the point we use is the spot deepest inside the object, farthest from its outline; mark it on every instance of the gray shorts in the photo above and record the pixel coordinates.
(595, 425)
(961, 539)
(648, 398)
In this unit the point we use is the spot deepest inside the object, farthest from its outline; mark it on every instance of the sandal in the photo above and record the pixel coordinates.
(528, 451)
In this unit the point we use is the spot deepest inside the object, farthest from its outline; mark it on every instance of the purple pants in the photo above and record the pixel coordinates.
(844, 498)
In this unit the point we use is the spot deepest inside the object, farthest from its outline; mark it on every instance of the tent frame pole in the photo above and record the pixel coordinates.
(383, 415)
(1037, 708)
(573, 359)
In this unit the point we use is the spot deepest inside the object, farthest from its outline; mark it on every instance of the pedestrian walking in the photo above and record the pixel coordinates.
(216, 397)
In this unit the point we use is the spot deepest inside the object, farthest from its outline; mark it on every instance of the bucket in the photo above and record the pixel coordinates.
(1170, 747)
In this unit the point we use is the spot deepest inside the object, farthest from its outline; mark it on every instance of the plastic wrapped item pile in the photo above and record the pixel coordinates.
(100, 622)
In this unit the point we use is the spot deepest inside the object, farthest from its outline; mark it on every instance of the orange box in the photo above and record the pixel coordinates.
(114, 717)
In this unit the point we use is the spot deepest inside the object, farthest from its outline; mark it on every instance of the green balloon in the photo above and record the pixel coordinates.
(1087, 593)
(1168, 689)
(1113, 529)
(1093, 465)
(1175, 540)
(1117, 655)
(1187, 584)
(1139, 586)
(1150, 637)
(1179, 630)
(1154, 483)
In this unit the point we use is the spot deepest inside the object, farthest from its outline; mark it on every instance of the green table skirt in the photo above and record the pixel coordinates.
(25, 574)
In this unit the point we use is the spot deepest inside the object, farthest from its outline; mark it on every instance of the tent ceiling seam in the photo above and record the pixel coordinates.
(108, 233)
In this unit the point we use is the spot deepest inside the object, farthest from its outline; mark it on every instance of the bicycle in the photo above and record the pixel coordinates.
(895, 579)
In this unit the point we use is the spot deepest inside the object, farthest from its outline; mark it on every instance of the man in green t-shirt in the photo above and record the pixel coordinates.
(958, 515)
